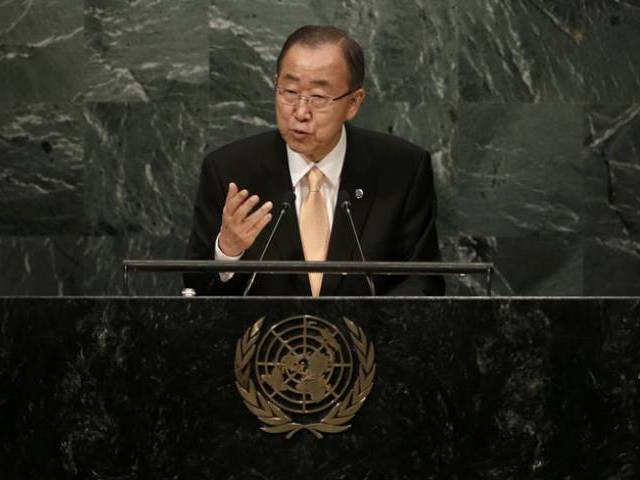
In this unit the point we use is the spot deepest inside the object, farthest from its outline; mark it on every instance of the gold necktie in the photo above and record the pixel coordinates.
(314, 226)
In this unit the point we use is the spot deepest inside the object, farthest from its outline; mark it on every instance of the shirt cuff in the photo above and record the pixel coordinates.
(225, 276)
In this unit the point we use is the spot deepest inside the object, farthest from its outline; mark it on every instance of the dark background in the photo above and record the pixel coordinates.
(531, 109)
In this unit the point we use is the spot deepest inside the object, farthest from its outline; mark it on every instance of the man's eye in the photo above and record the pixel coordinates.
(318, 97)
(291, 92)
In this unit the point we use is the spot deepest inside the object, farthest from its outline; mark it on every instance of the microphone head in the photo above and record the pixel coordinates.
(288, 199)
(344, 199)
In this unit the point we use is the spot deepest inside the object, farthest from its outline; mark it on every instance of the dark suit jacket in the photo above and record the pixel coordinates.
(395, 218)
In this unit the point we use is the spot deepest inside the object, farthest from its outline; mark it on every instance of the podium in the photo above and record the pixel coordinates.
(127, 387)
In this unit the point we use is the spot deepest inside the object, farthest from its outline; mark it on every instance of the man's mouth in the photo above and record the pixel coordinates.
(299, 133)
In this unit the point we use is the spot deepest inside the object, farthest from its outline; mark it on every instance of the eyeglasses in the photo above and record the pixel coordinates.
(291, 97)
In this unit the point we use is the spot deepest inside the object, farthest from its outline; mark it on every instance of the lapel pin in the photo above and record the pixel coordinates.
(359, 193)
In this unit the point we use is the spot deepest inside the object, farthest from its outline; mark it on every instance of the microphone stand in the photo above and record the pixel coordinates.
(346, 206)
(284, 206)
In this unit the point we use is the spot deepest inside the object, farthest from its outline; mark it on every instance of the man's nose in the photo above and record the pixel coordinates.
(301, 110)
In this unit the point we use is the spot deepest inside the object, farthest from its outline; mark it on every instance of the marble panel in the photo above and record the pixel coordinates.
(41, 54)
(549, 50)
(612, 267)
(142, 166)
(145, 50)
(550, 266)
(41, 169)
(612, 172)
(409, 46)
(518, 170)
(102, 264)
(75, 265)
(590, 351)
(523, 266)
(232, 121)
(40, 265)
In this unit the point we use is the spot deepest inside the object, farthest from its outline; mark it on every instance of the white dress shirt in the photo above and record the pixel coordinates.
(331, 166)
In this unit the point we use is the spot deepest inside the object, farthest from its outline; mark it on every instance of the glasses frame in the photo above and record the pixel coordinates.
(279, 92)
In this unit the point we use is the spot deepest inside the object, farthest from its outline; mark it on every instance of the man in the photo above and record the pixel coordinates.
(316, 154)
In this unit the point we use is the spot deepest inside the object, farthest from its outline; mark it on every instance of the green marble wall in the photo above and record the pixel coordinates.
(531, 109)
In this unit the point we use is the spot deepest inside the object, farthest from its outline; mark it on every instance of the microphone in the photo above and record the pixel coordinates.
(288, 199)
(345, 204)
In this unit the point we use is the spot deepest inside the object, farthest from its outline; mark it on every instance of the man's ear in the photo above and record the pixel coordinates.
(356, 102)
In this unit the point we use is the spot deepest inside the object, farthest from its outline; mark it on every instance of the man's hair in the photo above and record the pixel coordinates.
(318, 35)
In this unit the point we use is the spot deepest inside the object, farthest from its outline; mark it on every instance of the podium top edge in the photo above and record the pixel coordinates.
(305, 267)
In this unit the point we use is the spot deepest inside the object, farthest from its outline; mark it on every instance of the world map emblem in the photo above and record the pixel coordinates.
(304, 373)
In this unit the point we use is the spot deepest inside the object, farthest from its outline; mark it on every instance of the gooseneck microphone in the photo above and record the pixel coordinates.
(345, 204)
(288, 199)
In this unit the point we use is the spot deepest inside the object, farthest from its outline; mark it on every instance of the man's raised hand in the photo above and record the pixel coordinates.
(241, 224)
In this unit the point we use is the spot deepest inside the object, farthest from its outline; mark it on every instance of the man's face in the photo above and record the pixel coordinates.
(315, 71)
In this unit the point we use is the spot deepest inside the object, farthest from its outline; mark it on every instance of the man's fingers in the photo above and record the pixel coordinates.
(232, 203)
(243, 210)
(231, 191)
(260, 224)
(241, 223)
(256, 216)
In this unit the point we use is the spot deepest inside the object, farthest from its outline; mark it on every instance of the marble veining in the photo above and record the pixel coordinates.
(41, 57)
(139, 179)
(41, 169)
(613, 171)
(546, 50)
(512, 183)
(245, 37)
(145, 50)
(41, 265)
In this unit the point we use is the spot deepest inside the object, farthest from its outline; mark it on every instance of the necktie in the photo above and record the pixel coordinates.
(314, 226)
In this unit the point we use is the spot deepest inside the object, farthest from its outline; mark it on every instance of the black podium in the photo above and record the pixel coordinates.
(464, 388)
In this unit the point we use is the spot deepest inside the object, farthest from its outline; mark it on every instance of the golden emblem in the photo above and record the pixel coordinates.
(305, 374)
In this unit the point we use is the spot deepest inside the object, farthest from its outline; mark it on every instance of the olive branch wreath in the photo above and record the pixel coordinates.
(275, 420)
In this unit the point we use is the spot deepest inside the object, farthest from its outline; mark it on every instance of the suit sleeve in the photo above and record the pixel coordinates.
(418, 238)
(207, 218)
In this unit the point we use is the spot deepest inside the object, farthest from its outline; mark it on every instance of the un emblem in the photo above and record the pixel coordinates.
(302, 374)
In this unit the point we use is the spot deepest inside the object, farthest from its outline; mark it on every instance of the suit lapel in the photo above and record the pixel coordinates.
(356, 174)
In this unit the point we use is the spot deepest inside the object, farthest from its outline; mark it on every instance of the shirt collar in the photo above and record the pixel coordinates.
(331, 165)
